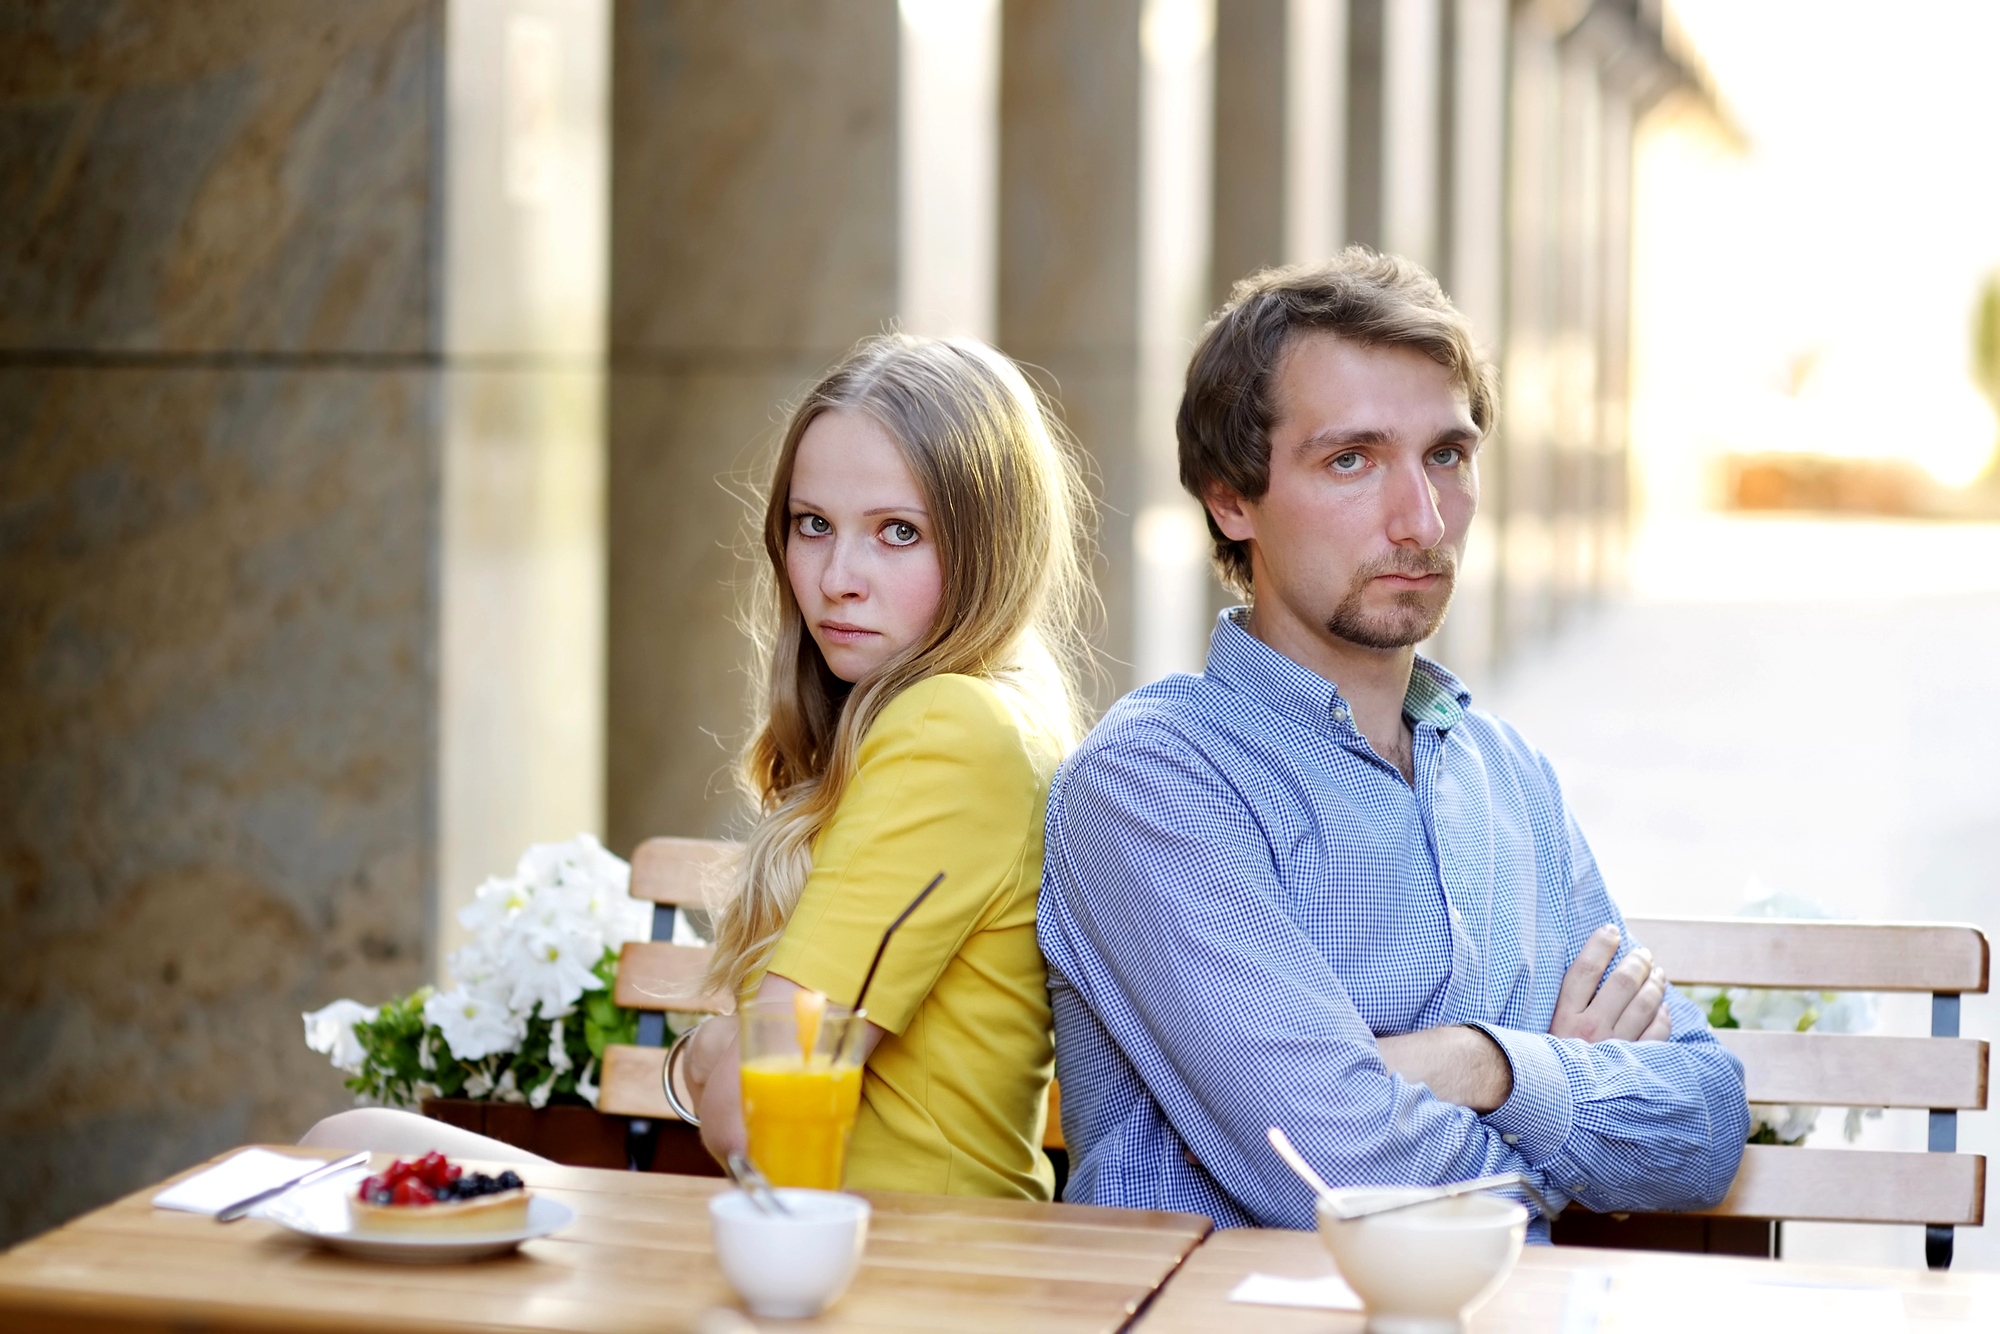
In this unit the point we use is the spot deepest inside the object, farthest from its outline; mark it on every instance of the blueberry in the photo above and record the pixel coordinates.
(510, 1181)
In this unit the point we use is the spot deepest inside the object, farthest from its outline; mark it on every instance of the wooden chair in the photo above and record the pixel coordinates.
(669, 874)
(1943, 1074)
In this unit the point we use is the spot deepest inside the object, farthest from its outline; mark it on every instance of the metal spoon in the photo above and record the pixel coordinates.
(753, 1183)
(1366, 1202)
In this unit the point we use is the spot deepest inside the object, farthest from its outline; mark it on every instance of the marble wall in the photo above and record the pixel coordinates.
(218, 475)
(1070, 106)
(753, 240)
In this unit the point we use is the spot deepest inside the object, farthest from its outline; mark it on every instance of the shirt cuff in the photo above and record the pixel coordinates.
(1536, 1118)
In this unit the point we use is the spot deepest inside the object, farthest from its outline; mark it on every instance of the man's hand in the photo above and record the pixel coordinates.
(1630, 1003)
(1458, 1064)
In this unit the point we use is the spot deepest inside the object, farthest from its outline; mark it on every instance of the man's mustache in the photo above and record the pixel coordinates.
(1410, 564)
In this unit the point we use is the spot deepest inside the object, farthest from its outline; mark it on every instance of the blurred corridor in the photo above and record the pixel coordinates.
(1798, 707)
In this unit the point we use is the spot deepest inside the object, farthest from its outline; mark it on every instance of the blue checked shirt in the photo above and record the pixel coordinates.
(1240, 896)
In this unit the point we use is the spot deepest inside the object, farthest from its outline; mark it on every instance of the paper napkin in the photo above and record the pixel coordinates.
(1330, 1293)
(237, 1177)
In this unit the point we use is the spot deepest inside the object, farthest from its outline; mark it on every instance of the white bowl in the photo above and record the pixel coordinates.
(1422, 1270)
(789, 1267)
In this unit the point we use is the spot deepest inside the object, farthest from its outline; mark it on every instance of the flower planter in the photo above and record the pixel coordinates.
(576, 1136)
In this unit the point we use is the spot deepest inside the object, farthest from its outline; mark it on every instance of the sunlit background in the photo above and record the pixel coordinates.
(1790, 693)
(382, 383)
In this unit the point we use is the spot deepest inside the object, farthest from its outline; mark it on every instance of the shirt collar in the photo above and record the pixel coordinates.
(1245, 663)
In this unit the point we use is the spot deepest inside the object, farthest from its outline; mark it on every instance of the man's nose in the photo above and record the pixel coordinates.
(1413, 515)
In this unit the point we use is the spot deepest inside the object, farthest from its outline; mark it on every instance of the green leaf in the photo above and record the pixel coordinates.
(1719, 1015)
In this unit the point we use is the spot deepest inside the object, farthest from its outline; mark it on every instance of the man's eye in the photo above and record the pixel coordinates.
(812, 525)
(1447, 456)
(1348, 462)
(900, 534)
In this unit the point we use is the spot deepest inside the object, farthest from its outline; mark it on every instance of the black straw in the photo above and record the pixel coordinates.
(936, 880)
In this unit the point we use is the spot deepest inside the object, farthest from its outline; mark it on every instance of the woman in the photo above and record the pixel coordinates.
(918, 627)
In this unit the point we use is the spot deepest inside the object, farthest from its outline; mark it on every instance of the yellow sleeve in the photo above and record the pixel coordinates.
(947, 780)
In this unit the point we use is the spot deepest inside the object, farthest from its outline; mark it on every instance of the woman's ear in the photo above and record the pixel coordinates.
(1231, 512)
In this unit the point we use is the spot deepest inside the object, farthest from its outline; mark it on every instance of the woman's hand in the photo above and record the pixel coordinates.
(708, 1070)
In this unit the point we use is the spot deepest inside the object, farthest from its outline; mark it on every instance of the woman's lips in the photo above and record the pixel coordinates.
(842, 633)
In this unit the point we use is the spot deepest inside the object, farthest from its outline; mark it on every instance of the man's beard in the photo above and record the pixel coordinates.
(1414, 617)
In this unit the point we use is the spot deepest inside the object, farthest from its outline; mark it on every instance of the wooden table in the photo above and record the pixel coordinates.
(1535, 1297)
(637, 1258)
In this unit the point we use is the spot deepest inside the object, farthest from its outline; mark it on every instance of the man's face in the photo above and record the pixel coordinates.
(1373, 486)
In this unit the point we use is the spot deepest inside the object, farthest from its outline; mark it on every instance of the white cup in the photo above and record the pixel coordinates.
(789, 1267)
(1422, 1270)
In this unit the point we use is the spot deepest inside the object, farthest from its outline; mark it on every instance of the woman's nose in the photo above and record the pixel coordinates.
(842, 580)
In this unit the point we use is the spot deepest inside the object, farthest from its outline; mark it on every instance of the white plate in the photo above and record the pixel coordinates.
(319, 1211)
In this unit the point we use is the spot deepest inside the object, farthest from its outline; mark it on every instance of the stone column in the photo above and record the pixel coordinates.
(1104, 277)
(754, 205)
(1069, 251)
(220, 401)
(1525, 475)
(1280, 131)
(521, 556)
(1472, 251)
(1410, 130)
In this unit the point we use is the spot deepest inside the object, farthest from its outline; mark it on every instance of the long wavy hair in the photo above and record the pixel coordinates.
(1011, 517)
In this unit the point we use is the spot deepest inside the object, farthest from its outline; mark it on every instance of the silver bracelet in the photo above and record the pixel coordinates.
(667, 1077)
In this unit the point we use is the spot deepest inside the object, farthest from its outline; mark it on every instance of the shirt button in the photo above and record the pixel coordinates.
(1510, 1139)
(1341, 715)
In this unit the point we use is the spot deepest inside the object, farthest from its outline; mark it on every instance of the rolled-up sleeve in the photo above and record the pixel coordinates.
(1624, 1125)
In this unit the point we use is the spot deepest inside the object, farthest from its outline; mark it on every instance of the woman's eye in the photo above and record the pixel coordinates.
(812, 525)
(900, 534)
(1348, 462)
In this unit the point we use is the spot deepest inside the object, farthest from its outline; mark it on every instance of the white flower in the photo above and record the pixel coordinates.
(551, 970)
(558, 1054)
(475, 1023)
(505, 1090)
(1789, 1124)
(586, 1083)
(538, 1096)
(331, 1031)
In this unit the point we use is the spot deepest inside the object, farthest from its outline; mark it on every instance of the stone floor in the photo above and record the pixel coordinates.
(1800, 707)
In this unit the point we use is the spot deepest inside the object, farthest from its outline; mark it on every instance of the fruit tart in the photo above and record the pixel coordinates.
(430, 1194)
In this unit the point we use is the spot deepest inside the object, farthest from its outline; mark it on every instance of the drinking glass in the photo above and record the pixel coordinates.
(801, 1090)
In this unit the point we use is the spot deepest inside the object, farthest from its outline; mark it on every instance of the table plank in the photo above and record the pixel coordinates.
(638, 1257)
(1536, 1295)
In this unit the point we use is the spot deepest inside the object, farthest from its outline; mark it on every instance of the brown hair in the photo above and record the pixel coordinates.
(1226, 412)
(1012, 519)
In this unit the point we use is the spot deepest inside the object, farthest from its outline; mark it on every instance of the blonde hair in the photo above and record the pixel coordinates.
(1011, 516)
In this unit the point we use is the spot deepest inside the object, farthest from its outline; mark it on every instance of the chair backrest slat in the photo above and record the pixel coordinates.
(1777, 1181)
(656, 975)
(675, 871)
(630, 1083)
(1818, 956)
(1843, 1070)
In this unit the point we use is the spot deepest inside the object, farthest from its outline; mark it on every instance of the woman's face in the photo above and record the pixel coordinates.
(860, 552)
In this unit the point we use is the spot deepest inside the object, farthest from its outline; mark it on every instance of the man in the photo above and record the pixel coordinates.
(1311, 888)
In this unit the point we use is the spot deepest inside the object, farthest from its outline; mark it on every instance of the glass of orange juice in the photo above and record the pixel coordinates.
(801, 1076)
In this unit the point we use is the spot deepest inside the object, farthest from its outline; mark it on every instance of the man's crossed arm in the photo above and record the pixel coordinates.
(1462, 1064)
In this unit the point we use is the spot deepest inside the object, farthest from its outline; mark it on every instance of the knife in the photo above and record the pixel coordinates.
(242, 1207)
